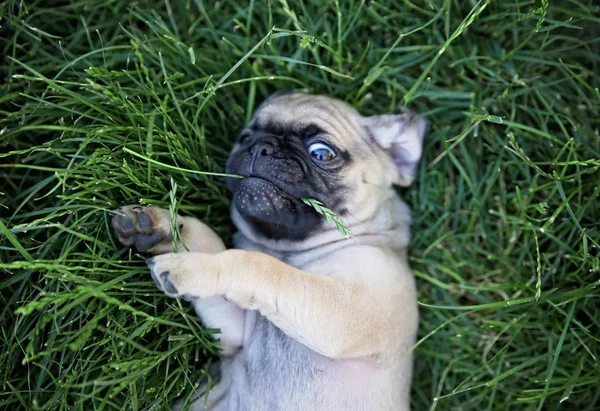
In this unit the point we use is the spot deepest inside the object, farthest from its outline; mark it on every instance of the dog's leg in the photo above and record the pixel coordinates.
(340, 317)
(149, 230)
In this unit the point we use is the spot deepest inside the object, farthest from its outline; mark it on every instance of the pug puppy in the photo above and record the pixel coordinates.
(308, 320)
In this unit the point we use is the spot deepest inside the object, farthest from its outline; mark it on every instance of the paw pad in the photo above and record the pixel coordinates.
(140, 226)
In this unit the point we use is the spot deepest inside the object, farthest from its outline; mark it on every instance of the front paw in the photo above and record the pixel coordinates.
(144, 227)
(187, 275)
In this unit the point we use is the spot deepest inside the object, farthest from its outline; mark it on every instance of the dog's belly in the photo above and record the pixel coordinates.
(274, 372)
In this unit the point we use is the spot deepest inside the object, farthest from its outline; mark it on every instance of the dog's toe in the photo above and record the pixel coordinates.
(163, 282)
(144, 242)
(122, 224)
(157, 280)
(164, 270)
(144, 222)
(169, 288)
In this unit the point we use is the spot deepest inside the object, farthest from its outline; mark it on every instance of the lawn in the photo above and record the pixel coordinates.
(111, 102)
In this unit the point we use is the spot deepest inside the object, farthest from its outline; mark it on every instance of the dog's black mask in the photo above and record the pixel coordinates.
(278, 172)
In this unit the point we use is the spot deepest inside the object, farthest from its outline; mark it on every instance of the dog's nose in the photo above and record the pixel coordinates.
(264, 147)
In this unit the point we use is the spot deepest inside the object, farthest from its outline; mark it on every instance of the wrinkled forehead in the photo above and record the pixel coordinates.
(309, 114)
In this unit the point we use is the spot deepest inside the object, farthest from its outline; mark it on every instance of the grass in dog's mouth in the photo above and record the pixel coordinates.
(505, 203)
(317, 205)
(330, 217)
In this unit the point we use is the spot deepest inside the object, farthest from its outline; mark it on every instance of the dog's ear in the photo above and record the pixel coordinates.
(401, 135)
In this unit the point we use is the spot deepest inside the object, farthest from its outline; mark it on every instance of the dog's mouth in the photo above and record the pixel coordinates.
(278, 189)
(272, 211)
(261, 197)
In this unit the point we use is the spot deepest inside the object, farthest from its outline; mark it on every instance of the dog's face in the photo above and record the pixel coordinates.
(306, 146)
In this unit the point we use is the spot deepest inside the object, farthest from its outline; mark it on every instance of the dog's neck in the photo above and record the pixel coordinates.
(386, 226)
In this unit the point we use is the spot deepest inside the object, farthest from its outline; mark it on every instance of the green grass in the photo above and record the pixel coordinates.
(109, 102)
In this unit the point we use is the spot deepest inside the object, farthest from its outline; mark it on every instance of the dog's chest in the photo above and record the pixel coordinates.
(276, 366)
(270, 351)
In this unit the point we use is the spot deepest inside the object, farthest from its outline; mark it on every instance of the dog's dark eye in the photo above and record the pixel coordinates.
(321, 152)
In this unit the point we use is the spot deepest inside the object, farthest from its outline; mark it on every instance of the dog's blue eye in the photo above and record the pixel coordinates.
(321, 152)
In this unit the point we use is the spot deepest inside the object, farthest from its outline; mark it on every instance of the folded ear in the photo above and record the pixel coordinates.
(401, 135)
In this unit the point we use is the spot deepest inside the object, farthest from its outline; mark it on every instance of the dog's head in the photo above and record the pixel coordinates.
(306, 146)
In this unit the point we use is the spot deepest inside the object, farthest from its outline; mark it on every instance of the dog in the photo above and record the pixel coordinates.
(308, 320)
